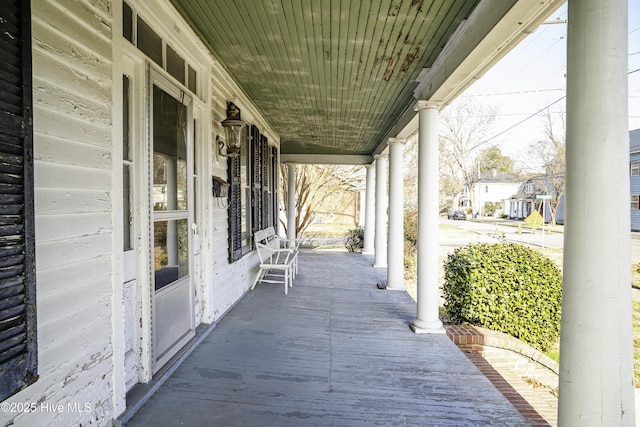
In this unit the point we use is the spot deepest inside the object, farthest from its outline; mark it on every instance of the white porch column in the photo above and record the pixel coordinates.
(596, 346)
(395, 248)
(291, 200)
(381, 212)
(369, 213)
(428, 320)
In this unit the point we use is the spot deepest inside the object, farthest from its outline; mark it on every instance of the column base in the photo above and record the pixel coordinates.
(396, 287)
(422, 327)
(380, 265)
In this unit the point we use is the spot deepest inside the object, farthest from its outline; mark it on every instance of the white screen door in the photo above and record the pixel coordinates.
(171, 158)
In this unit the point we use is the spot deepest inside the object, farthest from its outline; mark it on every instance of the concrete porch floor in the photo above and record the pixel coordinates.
(336, 351)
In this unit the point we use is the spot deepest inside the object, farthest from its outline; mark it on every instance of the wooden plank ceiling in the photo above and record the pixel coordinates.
(331, 76)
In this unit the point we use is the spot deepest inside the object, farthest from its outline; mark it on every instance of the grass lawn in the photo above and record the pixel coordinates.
(328, 230)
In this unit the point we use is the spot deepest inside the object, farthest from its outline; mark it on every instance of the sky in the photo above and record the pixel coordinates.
(532, 77)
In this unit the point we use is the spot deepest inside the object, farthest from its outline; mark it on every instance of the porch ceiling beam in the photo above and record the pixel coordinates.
(326, 159)
(499, 26)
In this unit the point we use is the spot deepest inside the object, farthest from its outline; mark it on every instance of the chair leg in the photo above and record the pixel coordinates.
(259, 277)
(286, 280)
(292, 276)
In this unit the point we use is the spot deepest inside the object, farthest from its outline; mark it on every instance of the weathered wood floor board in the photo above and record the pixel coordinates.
(335, 352)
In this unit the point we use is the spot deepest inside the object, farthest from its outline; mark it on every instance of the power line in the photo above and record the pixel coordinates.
(517, 92)
(523, 120)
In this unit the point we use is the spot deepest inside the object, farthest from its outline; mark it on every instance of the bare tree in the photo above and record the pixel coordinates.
(464, 130)
(450, 178)
(315, 185)
(549, 153)
(410, 174)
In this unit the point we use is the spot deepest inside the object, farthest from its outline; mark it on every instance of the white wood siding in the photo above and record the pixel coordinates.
(77, 203)
(73, 168)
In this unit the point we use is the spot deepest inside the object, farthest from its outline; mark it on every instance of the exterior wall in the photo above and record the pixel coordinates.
(72, 79)
(493, 192)
(635, 189)
(560, 211)
(228, 281)
(83, 308)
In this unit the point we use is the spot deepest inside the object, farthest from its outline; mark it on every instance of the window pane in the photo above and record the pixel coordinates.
(126, 207)
(192, 83)
(245, 193)
(195, 173)
(126, 168)
(149, 42)
(127, 22)
(126, 102)
(169, 152)
(175, 64)
(170, 251)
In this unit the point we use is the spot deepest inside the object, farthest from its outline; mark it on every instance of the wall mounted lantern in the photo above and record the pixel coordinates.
(233, 127)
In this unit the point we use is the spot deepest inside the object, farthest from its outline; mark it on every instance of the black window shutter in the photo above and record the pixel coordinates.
(264, 180)
(235, 209)
(18, 347)
(274, 186)
(256, 178)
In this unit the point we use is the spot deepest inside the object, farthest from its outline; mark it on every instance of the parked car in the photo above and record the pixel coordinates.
(457, 215)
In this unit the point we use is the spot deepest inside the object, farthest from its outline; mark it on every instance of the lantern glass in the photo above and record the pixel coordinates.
(233, 131)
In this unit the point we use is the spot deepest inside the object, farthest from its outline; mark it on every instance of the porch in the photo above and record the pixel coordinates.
(335, 351)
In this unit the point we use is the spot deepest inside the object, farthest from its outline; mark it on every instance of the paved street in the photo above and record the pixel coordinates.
(485, 230)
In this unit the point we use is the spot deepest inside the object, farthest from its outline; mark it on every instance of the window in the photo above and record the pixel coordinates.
(18, 357)
(245, 185)
(262, 180)
(240, 211)
(635, 201)
(175, 64)
(152, 45)
(635, 168)
(252, 192)
(273, 188)
(127, 165)
(149, 42)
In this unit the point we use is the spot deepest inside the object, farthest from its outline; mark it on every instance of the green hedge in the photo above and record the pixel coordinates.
(505, 287)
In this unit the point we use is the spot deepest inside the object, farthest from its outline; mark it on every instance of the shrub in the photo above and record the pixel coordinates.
(505, 287)
(411, 226)
(410, 244)
(490, 208)
(354, 240)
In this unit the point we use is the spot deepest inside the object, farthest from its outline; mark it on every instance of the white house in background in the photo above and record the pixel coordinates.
(491, 189)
